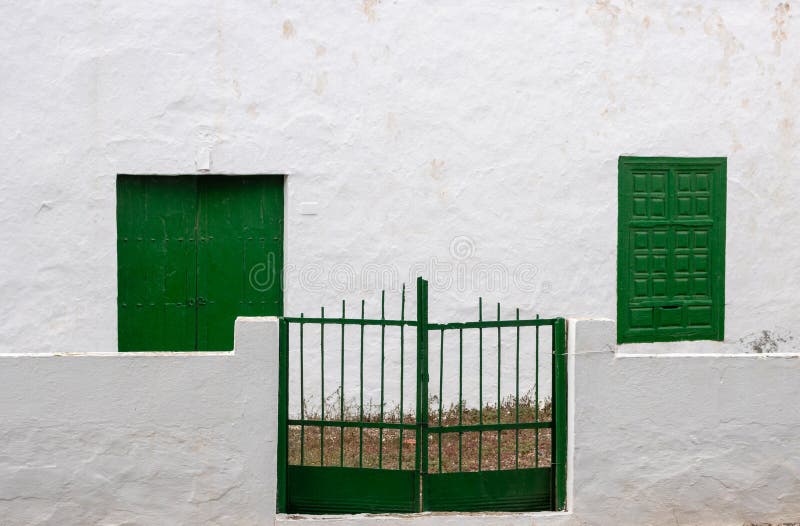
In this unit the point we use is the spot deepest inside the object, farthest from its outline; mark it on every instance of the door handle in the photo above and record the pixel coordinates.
(670, 306)
(201, 301)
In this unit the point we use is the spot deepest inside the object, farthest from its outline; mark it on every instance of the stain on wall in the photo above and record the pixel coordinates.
(437, 169)
(714, 26)
(288, 29)
(769, 341)
(320, 83)
(605, 16)
(780, 18)
(368, 7)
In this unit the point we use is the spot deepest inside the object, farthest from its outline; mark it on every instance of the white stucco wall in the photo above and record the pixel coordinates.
(427, 133)
(141, 438)
(705, 439)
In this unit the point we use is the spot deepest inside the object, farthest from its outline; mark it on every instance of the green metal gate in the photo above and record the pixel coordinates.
(343, 458)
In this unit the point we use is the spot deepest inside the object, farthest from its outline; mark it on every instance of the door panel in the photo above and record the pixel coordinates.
(156, 263)
(334, 489)
(506, 490)
(240, 254)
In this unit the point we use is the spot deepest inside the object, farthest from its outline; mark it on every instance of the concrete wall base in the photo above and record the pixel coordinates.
(141, 438)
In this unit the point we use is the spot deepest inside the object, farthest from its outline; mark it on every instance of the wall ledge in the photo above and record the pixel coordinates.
(145, 354)
(541, 518)
(785, 355)
(598, 336)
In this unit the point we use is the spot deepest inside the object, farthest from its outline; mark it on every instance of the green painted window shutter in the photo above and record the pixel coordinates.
(671, 249)
(193, 253)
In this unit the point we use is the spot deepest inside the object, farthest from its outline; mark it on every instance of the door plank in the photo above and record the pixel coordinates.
(156, 262)
(240, 254)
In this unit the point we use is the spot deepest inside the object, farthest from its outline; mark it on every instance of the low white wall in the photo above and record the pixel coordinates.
(190, 438)
(142, 438)
(682, 439)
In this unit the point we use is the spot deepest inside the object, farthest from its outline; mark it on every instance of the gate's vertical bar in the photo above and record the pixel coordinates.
(283, 412)
(302, 399)
(383, 360)
(341, 394)
(322, 386)
(516, 399)
(422, 392)
(361, 393)
(402, 371)
(480, 383)
(559, 430)
(536, 400)
(499, 354)
(460, 393)
(441, 378)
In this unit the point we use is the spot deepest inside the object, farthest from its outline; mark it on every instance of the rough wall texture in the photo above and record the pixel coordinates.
(140, 438)
(704, 439)
(428, 134)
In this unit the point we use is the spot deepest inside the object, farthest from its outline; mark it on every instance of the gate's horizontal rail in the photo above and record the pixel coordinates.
(351, 423)
(492, 324)
(349, 321)
(466, 428)
(431, 326)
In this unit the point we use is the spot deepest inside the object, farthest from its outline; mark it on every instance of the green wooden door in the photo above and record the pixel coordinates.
(239, 255)
(671, 254)
(193, 253)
